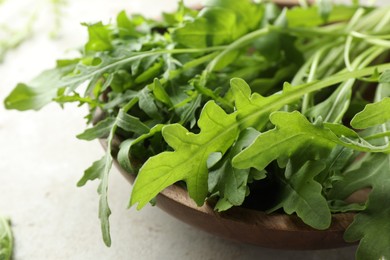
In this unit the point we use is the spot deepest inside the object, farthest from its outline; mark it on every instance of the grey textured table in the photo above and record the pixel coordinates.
(41, 161)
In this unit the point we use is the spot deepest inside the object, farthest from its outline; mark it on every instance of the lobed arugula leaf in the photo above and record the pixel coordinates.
(302, 195)
(100, 169)
(292, 133)
(371, 225)
(188, 161)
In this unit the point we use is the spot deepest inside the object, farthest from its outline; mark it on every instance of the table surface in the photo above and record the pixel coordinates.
(41, 161)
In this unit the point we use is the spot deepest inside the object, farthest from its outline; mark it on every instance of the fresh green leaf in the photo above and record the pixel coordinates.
(99, 38)
(385, 77)
(312, 17)
(373, 114)
(131, 124)
(100, 130)
(292, 133)
(123, 156)
(93, 172)
(372, 171)
(219, 23)
(160, 93)
(302, 195)
(39, 92)
(188, 162)
(371, 226)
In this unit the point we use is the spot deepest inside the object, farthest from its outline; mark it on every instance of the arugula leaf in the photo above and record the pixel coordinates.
(124, 157)
(231, 183)
(300, 193)
(39, 92)
(292, 133)
(6, 239)
(371, 225)
(100, 130)
(373, 114)
(99, 37)
(219, 23)
(101, 168)
(188, 161)
(155, 80)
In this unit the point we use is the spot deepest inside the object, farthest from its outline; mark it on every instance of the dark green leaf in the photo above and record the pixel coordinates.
(372, 226)
(302, 195)
(131, 124)
(100, 130)
(231, 183)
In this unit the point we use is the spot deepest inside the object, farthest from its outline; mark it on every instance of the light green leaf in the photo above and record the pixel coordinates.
(6, 239)
(253, 109)
(312, 17)
(373, 114)
(39, 92)
(292, 133)
(99, 37)
(301, 194)
(160, 94)
(219, 23)
(212, 27)
(324, 8)
(385, 77)
(188, 161)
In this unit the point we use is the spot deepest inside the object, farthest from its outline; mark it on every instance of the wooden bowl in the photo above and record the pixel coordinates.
(278, 231)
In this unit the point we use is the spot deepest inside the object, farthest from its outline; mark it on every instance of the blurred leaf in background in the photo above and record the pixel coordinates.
(15, 33)
(6, 239)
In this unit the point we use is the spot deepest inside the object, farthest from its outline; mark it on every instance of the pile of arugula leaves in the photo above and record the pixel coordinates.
(237, 94)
